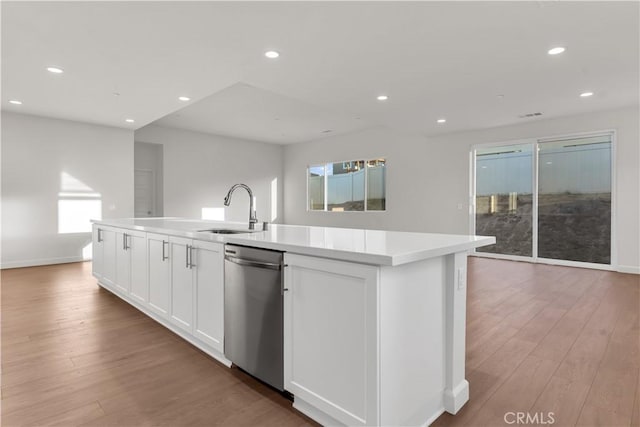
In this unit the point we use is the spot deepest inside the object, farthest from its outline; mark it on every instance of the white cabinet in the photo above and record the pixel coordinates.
(131, 259)
(104, 255)
(181, 307)
(208, 277)
(139, 289)
(123, 262)
(158, 262)
(98, 252)
(330, 337)
(177, 281)
(197, 289)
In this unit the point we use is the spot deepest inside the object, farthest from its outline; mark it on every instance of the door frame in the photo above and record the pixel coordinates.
(535, 142)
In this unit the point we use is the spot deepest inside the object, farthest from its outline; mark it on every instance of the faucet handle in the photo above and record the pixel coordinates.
(265, 225)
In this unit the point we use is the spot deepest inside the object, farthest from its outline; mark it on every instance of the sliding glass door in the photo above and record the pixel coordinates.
(504, 189)
(574, 199)
(546, 199)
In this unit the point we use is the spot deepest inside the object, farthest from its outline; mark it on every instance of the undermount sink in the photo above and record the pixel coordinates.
(226, 231)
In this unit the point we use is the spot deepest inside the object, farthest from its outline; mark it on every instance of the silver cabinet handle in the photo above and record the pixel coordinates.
(187, 256)
(191, 264)
(164, 256)
(99, 235)
(124, 241)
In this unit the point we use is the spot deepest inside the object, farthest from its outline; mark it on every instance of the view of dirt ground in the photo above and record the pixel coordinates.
(574, 227)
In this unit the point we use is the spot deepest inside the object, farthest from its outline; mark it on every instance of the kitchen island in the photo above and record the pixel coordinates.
(374, 321)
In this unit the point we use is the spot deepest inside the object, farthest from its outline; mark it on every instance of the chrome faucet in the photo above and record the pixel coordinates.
(252, 204)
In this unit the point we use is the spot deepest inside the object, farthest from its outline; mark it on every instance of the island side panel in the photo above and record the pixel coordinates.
(412, 342)
(456, 392)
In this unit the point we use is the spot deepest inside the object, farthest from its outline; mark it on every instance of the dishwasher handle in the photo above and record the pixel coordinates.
(251, 263)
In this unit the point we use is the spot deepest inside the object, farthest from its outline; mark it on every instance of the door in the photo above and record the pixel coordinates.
(504, 198)
(547, 200)
(123, 262)
(98, 253)
(138, 250)
(181, 307)
(158, 257)
(209, 293)
(108, 256)
(144, 193)
(330, 338)
(574, 199)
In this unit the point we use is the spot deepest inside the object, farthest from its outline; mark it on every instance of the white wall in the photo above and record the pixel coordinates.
(54, 174)
(428, 179)
(200, 168)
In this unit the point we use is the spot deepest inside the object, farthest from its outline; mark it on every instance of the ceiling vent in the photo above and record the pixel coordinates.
(526, 116)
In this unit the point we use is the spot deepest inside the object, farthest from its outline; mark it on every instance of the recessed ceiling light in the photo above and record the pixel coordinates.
(184, 98)
(15, 102)
(271, 54)
(586, 94)
(382, 97)
(129, 120)
(55, 70)
(441, 120)
(556, 50)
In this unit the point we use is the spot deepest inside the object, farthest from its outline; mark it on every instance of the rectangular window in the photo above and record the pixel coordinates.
(316, 187)
(356, 185)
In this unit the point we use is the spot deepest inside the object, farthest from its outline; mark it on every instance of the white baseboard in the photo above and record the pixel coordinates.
(42, 261)
(456, 398)
(628, 269)
(314, 413)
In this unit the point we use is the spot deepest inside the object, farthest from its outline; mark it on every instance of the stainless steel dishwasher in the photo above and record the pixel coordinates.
(253, 289)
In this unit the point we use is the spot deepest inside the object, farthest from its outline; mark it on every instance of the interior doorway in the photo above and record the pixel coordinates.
(148, 180)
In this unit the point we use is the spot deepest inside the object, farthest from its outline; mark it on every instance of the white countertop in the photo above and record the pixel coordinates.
(365, 246)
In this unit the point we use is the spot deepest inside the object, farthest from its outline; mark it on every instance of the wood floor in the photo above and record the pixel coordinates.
(544, 339)
(540, 339)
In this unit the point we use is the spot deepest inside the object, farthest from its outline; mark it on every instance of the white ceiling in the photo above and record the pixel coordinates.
(433, 59)
(248, 112)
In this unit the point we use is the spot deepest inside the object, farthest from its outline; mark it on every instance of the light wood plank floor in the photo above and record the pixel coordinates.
(555, 339)
(539, 339)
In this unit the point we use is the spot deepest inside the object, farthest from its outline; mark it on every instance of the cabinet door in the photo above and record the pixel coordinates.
(98, 252)
(123, 262)
(181, 282)
(158, 258)
(108, 257)
(209, 293)
(139, 283)
(330, 337)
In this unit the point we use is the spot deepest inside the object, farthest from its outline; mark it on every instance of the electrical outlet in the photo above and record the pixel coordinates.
(462, 278)
(459, 206)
